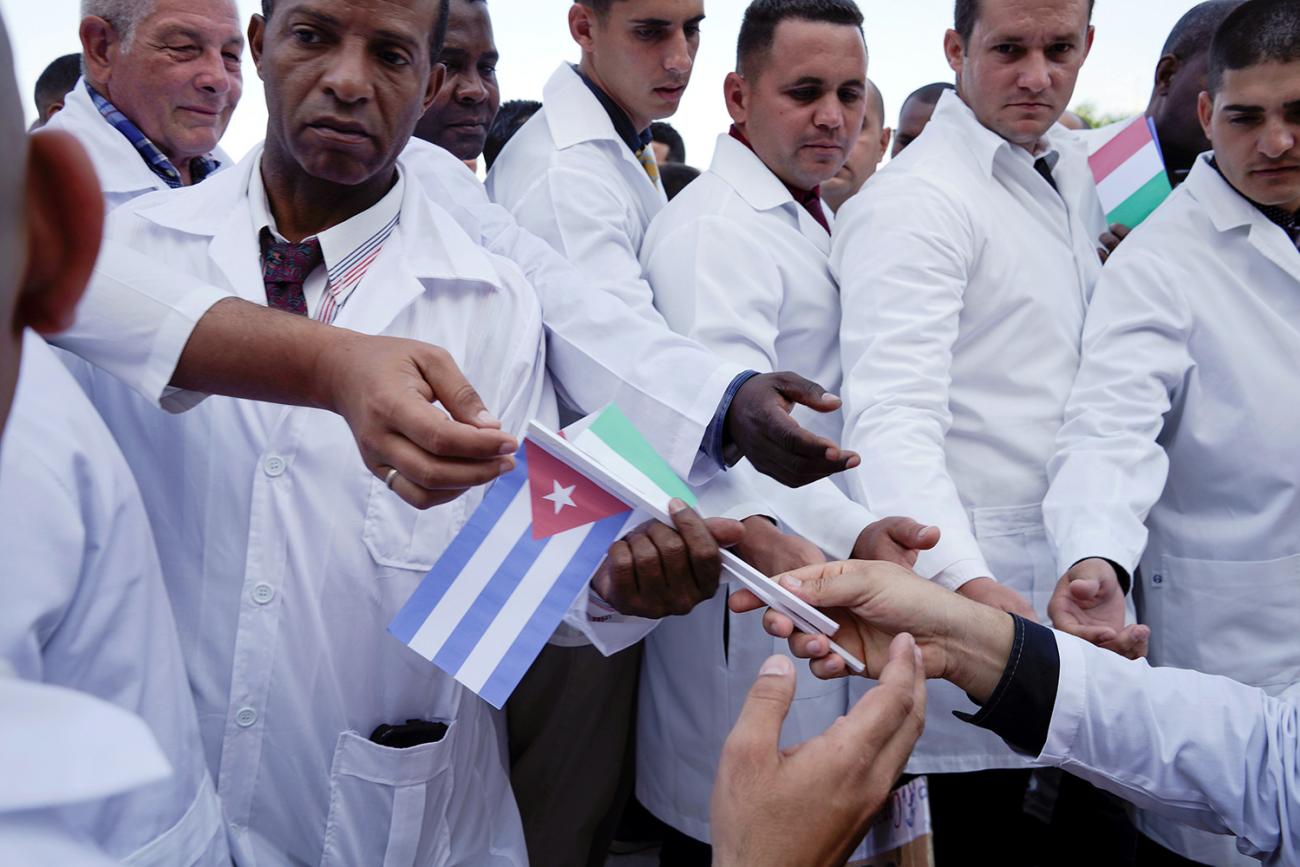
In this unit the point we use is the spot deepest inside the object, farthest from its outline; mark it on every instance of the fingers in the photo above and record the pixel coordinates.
(453, 391)
(430, 430)
(743, 601)
(895, 706)
(757, 732)
(1119, 231)
(726, 532)
(830, 585)
(762, 429)
(777, 624)
(1131, 643)
(796, 389)
(913, 534)
(1084, 590)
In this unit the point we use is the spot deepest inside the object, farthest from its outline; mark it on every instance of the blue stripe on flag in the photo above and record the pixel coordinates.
(491, 599)
(434, 585)
(539, 628)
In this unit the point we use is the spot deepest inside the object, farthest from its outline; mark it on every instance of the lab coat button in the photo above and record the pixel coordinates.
(263, 593)
(246, 717)
(1157, 578)
(274, 466)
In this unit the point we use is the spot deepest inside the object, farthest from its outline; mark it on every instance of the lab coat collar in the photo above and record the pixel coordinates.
(1229, 210)
(219, 208)
(573, 113)
(985, 144)
(119, 166)
(761, 189)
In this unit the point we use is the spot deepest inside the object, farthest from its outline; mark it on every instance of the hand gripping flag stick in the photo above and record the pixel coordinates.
(806, 618)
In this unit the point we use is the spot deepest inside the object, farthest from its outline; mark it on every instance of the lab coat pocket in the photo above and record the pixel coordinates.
(1240, 619)
(403, 537)
(1014, 544)
(389, 807)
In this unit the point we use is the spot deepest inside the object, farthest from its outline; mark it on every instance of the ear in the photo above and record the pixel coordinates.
(256, 33)
(1205, 113)
(99, 47)
(582, 21)
(1088, 40)
(65, 219)
(954, 51)
(1166, 69)
(55, 108)
(886, 136)
(437, 75)
(735, 92)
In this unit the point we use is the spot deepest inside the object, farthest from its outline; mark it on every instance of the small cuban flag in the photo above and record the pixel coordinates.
(1130, 173)
(494, 598)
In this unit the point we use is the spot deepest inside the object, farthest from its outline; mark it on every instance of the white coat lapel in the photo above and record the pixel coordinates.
(1272, 242)
(1229, 210)
(762, 190)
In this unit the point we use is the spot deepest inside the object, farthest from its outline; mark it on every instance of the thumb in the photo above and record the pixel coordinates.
(914, 535)
(725, 531)
(758, 730)
(454, 392)
(796, 389)
(1084, 589)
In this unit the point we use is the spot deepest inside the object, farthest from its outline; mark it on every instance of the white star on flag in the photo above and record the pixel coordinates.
(561, 497)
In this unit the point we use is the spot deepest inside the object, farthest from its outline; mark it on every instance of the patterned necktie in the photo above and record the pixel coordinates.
(285, 267)
(646, 157)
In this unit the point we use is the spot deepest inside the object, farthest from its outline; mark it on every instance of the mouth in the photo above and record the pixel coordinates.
(200, 111)
(343, 131)
(827, 148)
(671, 91)
(1031, 106)
(467, 125)
(1274, 172)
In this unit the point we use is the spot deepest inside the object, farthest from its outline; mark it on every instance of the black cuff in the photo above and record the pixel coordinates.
(1125, 580)
(1020, 709)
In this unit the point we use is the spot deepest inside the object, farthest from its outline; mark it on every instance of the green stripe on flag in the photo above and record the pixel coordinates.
(619, 434)
(1137, 207)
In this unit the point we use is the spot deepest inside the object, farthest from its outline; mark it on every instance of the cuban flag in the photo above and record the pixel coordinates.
(495, 597)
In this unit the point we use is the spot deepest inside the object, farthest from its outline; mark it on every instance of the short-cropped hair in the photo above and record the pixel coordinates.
(436, 38)
(122, 15)
(758, 29)
(966, 12)
(1259, 31)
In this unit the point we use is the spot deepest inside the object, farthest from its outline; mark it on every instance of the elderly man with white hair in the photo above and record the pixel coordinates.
(160, 81)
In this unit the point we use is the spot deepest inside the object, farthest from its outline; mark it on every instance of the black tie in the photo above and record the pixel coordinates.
(1041, 166)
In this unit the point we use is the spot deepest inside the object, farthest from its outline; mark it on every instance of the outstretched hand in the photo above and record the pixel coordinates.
(1089, 603)
(813, 804)
(895, 540)
(761, 428)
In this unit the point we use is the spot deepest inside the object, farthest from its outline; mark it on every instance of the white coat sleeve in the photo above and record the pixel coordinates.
(1109, 469)
(599, 350)
(135, 320)
(715, 283)
(901, 253)
(1199, 748)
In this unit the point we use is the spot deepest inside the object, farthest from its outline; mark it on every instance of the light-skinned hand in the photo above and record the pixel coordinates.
(1089, 603)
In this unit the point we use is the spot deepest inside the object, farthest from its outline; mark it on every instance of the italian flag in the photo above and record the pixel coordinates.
(1130, 174)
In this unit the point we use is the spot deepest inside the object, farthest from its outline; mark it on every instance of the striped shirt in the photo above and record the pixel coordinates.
(200, 167)
(348, 248)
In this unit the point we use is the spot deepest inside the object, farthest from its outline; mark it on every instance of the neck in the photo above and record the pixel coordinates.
(304, 205)
(181, 164)
(585, 66)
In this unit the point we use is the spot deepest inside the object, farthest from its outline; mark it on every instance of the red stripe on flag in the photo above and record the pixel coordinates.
(1118, 150)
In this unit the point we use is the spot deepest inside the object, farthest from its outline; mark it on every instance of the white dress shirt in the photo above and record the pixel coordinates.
(1178, 451)
(86, 609)
(964, 278)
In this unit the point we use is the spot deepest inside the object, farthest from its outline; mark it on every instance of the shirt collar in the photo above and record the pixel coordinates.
(340, 244)
(801, 196)
(636, 141)
(1289, 221)
(985, 143)
(159, 164)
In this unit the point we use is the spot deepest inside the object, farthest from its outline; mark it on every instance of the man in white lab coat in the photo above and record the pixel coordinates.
(161, 81)
(1176, 460)
(738, 261)
(285, 566)
(1202, 748)
(865, 155)
(85, 607)
(965, 268)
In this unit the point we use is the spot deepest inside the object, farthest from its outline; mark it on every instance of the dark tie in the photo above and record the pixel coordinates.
(285, 267)
(813, 204)
(1041, 166)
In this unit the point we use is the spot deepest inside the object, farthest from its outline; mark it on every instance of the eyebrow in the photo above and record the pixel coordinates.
(1245, 109)
(661, 22)
(180, 31)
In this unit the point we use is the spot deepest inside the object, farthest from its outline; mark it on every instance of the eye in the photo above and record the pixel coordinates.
(184, 49)
(849, 97)
(1243, 120)
(692, 30)
(230, 57)
(804, 94)
(487, 70)
(1060, 48)
(306, 35)
(394, 58)
(1007, 49)
(646, 34)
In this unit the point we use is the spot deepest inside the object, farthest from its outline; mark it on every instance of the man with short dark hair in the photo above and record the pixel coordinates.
(915, 113)
(53, 86)
(865, 156)
(675, 177)
(466, 105)
(513, 114)
(739, 262)
(1176, 454)
(667, 143)
(964, 277)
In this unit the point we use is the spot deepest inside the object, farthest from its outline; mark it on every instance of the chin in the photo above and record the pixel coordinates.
(337, 169)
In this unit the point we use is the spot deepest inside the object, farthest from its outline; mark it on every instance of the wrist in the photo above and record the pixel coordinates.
(331, 350)
(978, 649)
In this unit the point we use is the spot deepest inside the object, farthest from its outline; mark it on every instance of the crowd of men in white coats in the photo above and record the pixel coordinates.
(1063, 418)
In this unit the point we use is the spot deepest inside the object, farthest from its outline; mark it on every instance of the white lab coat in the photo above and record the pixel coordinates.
(286, 559)
(85, 608)
(1202, 749)
(964, 280)
(1179, 444)
(60, 747)
(123, 173)
(737, 264)
(570, 179)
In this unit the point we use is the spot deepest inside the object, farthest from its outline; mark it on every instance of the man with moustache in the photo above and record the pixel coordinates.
(739, 262)
(865, 157)
(467, 103)
(965, 277)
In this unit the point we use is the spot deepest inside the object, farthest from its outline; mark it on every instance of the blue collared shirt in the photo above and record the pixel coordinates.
(200, 167)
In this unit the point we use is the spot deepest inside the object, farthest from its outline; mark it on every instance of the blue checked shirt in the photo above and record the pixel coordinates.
(200, 167)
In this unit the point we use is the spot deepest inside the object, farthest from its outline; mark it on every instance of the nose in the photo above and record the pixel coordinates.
(829, 113)
(470, 88)
(212, 75)
(1279, 137)
(677, 56)
(347, 77)
(1035, 73)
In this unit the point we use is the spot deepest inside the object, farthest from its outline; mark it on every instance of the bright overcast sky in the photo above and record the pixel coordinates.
(905, 39)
